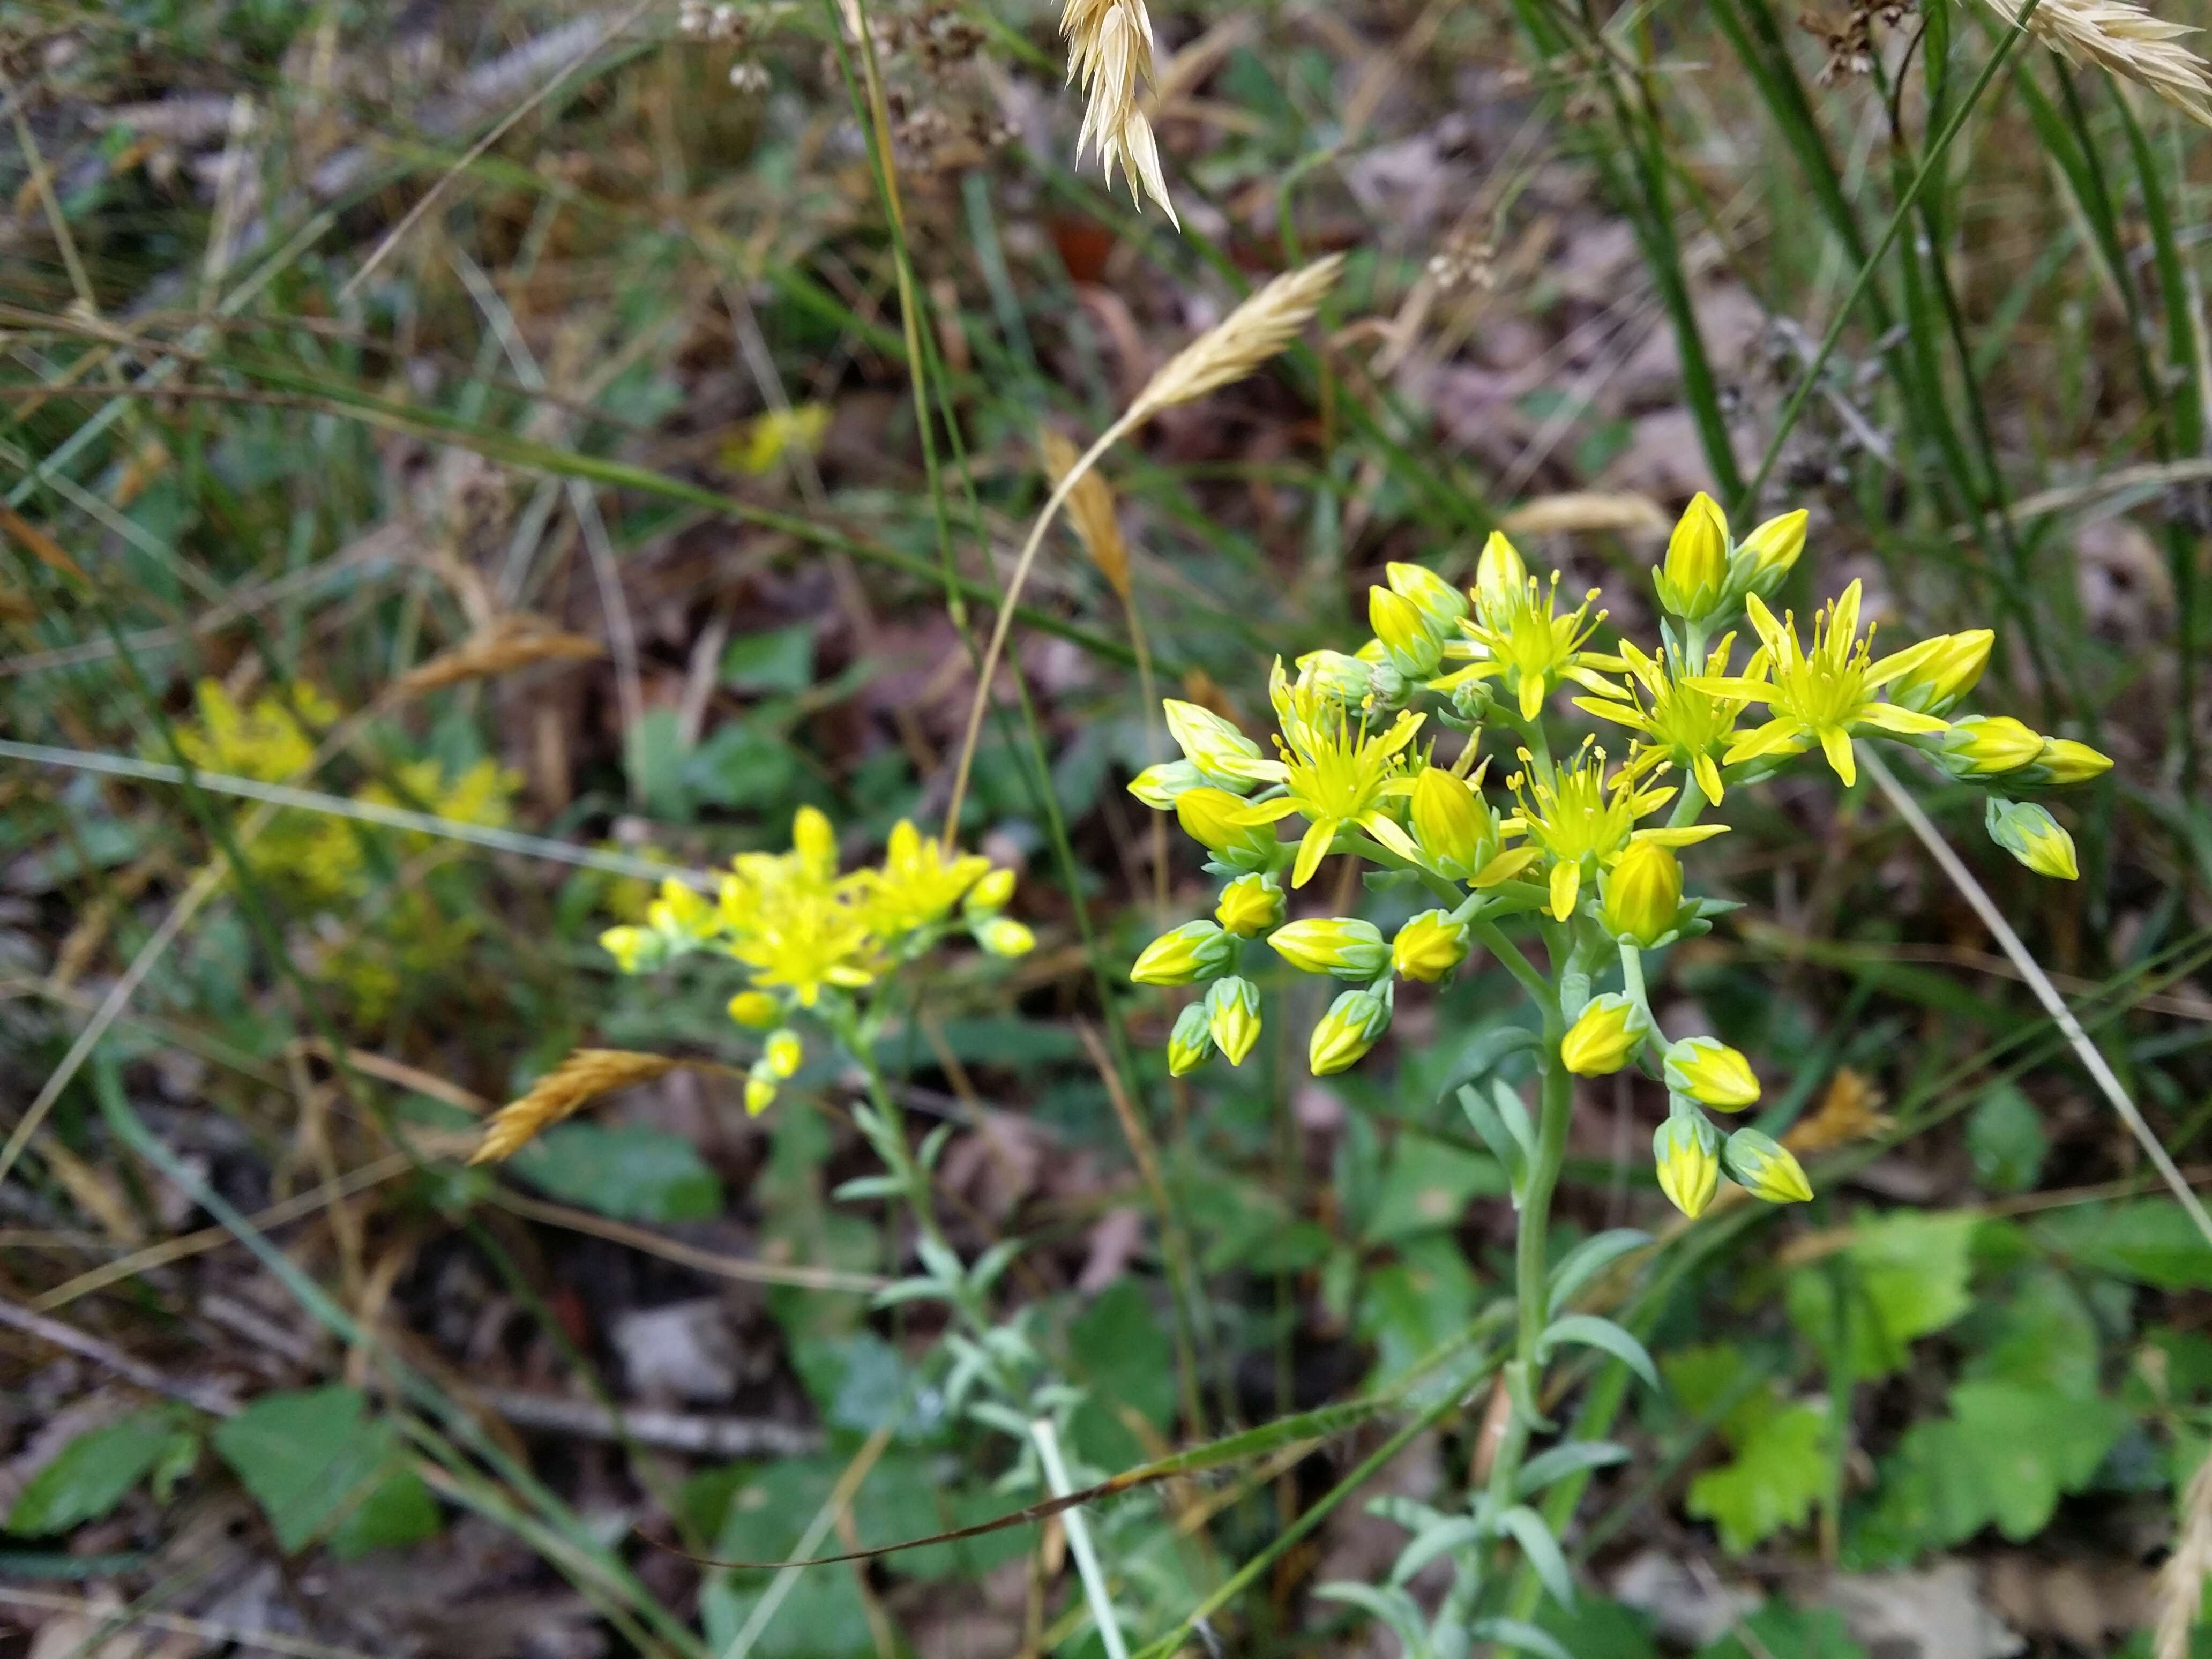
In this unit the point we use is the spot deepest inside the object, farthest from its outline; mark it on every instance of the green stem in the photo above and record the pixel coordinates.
(1531, 1267)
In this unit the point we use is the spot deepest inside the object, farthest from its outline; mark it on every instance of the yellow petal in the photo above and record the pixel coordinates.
(1567, 882)
(1836, 744)
(1312, 849)
(1384, 828)
(1532, 696)
(1504, 867)
(1890, 718)
(1709, 777)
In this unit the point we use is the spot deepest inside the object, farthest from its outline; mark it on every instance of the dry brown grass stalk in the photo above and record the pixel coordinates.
(2181, 1580)
(2121, 36)
(508, 643)
(1109, 50)
(581, 1078)
(1091, 510)
(1230, 350)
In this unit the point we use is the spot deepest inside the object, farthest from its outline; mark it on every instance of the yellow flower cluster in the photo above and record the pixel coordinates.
(1578, 850)
(802, 931)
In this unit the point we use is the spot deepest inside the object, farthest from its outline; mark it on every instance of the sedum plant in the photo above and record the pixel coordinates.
(1565, 876)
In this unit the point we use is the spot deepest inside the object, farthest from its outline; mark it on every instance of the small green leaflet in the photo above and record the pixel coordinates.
(1904, 1274)
(1781, 1467)
(2149, 1241)
(316, 1462)
(628, 1171)
(96, 1471)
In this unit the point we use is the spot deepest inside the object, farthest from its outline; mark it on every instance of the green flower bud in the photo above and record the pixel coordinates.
(989, 893)
(1343, 945)
(1453, 825)
(1764, 1167)
(1429, 946)
(1208, 817)
(1197, 949)
(1222, 754)
(1601, 1041)
(1232, 1016)
(1251, 905)
(2031, 834)
(1415, 651)
(1354, 1024)
(756, 1009)
(1985, 745)
(1930, 677)
(1158, 787)
(1501, 578)
(1002, 936)
(1694, 574)
(1440, 602)
(1346, 678)
(1641, 894)
(1710, 1072)
(1191, 1041)
(1687, 1151)
(1763, 557)
(783, 1052)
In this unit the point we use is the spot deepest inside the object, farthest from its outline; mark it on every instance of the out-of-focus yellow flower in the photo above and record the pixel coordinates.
(761, 443)
(917, 886)
(1216, 820)
(1197, 949)
(1692, 579)
(1191, 1041)
(1986, 745)
(682, 912)
(755, 1010)
(1429, 946)
(1439, 601)
(1765, 1169)
(1684, 724)
(760, 1095)
(1002, 936)
(1232, 1016)
(1820, 695)
(1641, 894)
(1523, 643)
(1354, 1024)
(1407, 633)
(989, 895)
(1583, 821)
(1249, 906)
(1224, 756)
(784, 1052)
(2031, 834)
(1763, 557)
(1603, 1037)
(1343, 945)
(634, 949)
(1933, 674)
(1711, 1073)
(2067, 762)
(1500, 575)
(1335, 774)
(1687, 1150)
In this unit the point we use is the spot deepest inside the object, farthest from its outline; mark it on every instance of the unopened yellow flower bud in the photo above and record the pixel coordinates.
(635, 950)
(1191, 1041)
(1930, 677)
(1695, 571)
(1197, 949)
(1414, 650)
(1711, 1073)
(1985, 745)
(756, 1009)
(1343, 945)
(1641, 894)
(760, 1093)
(1687, 1151)
(1232, 1016)
(1251, 905)
(1500, 578)
(1765, 1168)
(783, 1052)
(1222, 754)
(1002, 936)
(1763, 557)
(1440, 602)
(2070, 762)
(1453, 825)
(1354, 1024)
(1429, 946)
(1209, 817)
(2031, 834)
(990, 893)
(682, 912)
(1603, 1038)
(815, 841)
(1160, 786)
(1348, 679)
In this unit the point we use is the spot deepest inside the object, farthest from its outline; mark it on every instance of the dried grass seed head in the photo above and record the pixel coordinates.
(2121, 36)
(580, 1078)
(1242, 341)
(1109, 52)
(1091, 510)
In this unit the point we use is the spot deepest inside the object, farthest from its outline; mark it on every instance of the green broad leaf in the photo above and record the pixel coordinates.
(860, 1383)
(2148, 1241)
(96, 1471)
(1778, 1628)
(738, 764)
(911, 1496)
(2045, 1337)
(1411, 1306)
(1781, 1467)
(1426, 1187)
(313, 1460)
(1595, 1628)
(780, 660)
(628, 1171)
(1905, 1275)
(2006, 1141)
(653, 754)
(1120, 1347)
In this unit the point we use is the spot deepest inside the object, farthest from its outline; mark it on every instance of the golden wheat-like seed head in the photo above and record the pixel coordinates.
(1242, 341)
(1091, 510)
(582, 1077)
(507, 644)
(1109, 50)
(2121, 36)
(2181, 1580)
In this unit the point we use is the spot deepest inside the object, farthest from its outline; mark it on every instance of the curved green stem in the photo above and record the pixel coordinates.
(1531, 1265)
